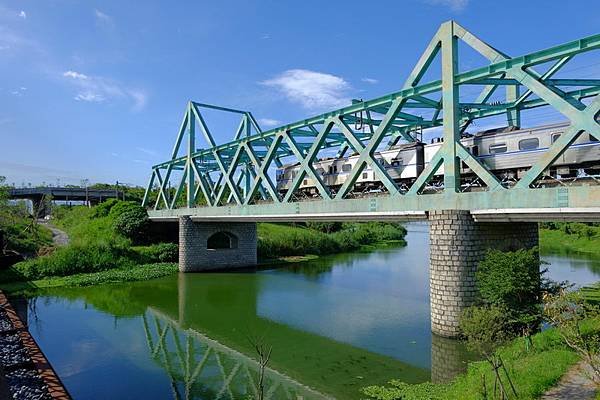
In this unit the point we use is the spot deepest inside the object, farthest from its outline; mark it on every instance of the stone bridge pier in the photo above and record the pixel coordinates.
(457, 244)
(205, 246)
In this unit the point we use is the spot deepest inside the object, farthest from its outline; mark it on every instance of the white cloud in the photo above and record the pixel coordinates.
(370, 80)
(454, 5)
(147, 151)
(18, 92)
(265, 36)
(75, 75)
(11, 40)
(311, 89)
(269, 122)
(96, 89)
(103, 20)
(90, 97)
(23, 14)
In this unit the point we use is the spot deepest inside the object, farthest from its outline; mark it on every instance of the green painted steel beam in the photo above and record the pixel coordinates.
(242, 165)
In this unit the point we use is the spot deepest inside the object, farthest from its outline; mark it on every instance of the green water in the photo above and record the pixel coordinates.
(334, 325)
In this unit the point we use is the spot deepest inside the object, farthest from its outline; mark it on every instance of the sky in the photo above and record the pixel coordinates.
(97, 89)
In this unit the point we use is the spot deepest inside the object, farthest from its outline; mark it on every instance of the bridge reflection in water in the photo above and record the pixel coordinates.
(198, 366)
(201, 342)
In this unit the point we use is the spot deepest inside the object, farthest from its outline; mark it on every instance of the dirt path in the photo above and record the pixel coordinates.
(575, 384)
(60, 238)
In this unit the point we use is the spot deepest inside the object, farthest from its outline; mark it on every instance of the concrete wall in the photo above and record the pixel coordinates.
(194, 256)
(457, 245)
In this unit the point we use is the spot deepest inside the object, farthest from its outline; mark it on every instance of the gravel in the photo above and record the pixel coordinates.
(5, 324)
(12, 351)
(25, 384)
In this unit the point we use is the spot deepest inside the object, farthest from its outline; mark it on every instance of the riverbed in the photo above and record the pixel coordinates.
(334, 324)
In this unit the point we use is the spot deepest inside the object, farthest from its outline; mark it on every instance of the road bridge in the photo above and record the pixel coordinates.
(219, 191)
(39, 195)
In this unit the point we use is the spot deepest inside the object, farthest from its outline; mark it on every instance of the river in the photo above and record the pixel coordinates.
(334, 324)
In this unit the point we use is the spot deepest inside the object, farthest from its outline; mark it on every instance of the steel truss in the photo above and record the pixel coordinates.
(233, 178)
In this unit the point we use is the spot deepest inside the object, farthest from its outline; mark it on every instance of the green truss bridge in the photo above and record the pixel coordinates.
(224, 189)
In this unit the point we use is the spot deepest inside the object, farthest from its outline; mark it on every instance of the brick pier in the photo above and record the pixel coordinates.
(457, 245)
(196, 255)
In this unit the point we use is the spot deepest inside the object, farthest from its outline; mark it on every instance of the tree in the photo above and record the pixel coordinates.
(571, 314)
(485, 330)
(132, 223)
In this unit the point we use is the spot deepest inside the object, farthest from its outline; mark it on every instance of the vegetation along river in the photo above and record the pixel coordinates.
(335, 324)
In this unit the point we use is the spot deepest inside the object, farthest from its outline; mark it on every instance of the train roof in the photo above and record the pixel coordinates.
(513, 129)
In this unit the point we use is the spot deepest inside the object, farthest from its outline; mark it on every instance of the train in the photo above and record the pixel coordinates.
(508, 152)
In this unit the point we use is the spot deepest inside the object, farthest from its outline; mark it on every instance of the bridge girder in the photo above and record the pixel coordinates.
(234, 177)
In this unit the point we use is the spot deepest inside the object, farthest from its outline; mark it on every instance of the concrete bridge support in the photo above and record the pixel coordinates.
(207, 246)
(457, 245)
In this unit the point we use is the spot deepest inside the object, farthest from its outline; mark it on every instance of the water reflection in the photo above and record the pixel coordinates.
(336, 324)
(449, 358)
(199, 367)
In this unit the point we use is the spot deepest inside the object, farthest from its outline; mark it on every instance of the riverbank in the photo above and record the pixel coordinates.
(569, 238)
(101, 251)
(534, 370)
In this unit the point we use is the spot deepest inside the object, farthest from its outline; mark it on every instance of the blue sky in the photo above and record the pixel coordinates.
(97, 89)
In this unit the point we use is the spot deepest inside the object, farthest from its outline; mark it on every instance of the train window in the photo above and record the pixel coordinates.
(294, 173)
(305, 182)
(475, 150)
(397, 162)
(333, 169)
(529, 144)
(346, 168)
(365, 175)
(555, 137)
(498, 148)
(592, 139)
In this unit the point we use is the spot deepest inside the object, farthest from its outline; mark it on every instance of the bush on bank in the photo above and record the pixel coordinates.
(103, 238)
(509, 305)
(276, 240)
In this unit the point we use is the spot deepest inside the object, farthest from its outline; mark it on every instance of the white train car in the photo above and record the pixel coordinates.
(507, 152)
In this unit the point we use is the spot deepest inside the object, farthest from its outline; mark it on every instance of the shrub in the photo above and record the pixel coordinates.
(122, 207)
(104, 208)
(512, 281)
(132, 223)
(162, 252)
(74, 259)
(325, 227)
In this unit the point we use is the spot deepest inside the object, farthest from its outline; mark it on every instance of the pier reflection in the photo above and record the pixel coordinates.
(449, 358)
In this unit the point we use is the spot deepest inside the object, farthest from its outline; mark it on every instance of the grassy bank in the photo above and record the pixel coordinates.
(569, 238)
(532, 372)
(136, 273)
(281, 240)
(111, 243)
(533, 367)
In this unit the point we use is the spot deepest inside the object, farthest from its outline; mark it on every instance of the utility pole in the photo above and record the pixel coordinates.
(84, 183)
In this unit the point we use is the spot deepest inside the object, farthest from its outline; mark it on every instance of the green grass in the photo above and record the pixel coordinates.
(98, 251)
(277, 240)
(533, 372)
(569, 238)
(135, 273)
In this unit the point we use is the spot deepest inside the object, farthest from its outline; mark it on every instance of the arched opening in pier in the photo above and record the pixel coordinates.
(222, 240)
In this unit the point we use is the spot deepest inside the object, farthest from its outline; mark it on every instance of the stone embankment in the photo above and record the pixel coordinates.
(24, 370)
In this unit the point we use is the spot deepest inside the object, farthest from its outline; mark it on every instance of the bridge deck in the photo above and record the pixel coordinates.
(560, 203)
